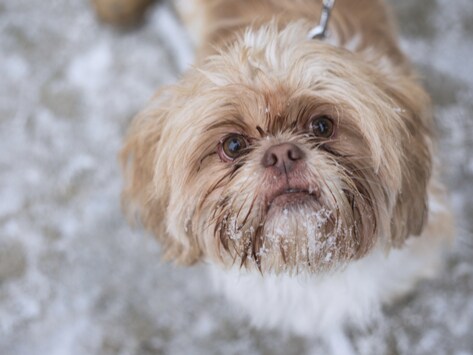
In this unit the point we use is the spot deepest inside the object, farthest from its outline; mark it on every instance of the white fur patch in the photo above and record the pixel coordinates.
(311, 305)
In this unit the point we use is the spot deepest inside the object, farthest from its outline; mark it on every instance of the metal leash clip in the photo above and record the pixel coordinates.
(320, 31)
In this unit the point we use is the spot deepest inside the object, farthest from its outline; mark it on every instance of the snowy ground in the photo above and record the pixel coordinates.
(76, 279)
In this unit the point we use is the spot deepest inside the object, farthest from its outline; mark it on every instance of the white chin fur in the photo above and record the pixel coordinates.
(322, 304)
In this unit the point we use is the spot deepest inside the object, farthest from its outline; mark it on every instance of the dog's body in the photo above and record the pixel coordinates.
(321, 217)
(354, 25)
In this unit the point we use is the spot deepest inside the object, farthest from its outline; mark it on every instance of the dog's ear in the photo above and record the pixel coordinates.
(413, 105)
(147, 181)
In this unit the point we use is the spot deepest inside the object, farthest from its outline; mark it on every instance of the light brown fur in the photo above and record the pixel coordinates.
(258, 75)
(121, 12)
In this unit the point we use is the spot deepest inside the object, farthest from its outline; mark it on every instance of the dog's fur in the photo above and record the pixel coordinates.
(372, 219)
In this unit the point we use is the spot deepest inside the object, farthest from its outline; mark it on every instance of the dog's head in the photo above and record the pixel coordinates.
(283, 154)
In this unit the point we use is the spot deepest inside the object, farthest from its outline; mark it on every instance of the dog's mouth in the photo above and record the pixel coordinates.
(293, 196)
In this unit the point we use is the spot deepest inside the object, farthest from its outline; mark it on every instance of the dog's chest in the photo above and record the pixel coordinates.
(319, 305)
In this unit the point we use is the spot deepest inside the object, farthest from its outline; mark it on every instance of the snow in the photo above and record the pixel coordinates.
(75, 278)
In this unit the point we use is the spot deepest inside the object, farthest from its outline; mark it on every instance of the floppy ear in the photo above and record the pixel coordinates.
(147, 185)
(414, 107)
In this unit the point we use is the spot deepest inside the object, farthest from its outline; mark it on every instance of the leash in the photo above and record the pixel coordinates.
(320, 31)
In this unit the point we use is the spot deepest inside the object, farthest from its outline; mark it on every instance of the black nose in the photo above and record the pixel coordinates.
(282, 156)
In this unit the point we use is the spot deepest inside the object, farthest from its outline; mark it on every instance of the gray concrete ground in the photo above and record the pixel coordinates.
(76, 279)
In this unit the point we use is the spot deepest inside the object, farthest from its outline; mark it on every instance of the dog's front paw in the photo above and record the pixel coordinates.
(121, 12)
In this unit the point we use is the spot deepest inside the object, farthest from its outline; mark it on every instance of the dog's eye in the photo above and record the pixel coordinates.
(322, 127)
(232, 147)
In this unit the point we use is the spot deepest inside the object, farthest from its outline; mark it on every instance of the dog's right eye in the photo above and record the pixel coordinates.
(322, 127)
(232, 147)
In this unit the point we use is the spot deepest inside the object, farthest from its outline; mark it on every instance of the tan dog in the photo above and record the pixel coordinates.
(301, 168)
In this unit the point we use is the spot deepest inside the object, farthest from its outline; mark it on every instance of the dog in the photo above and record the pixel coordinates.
(300, 170)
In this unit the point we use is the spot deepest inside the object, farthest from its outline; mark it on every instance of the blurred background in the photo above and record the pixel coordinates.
(76, 279)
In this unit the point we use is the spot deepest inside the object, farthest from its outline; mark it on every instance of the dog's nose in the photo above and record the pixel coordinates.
(282, 156)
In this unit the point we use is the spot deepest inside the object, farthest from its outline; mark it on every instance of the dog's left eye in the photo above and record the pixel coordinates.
(232, 147)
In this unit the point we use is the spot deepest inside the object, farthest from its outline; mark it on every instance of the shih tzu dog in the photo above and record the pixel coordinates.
(299, 168)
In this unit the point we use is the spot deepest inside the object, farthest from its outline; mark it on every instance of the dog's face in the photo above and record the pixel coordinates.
(283, 154)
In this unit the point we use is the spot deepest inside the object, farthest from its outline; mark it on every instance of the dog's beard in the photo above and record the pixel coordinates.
(294, 238)
(314, 219)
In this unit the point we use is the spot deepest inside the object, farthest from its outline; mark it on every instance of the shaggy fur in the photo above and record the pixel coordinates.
(361, 192)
